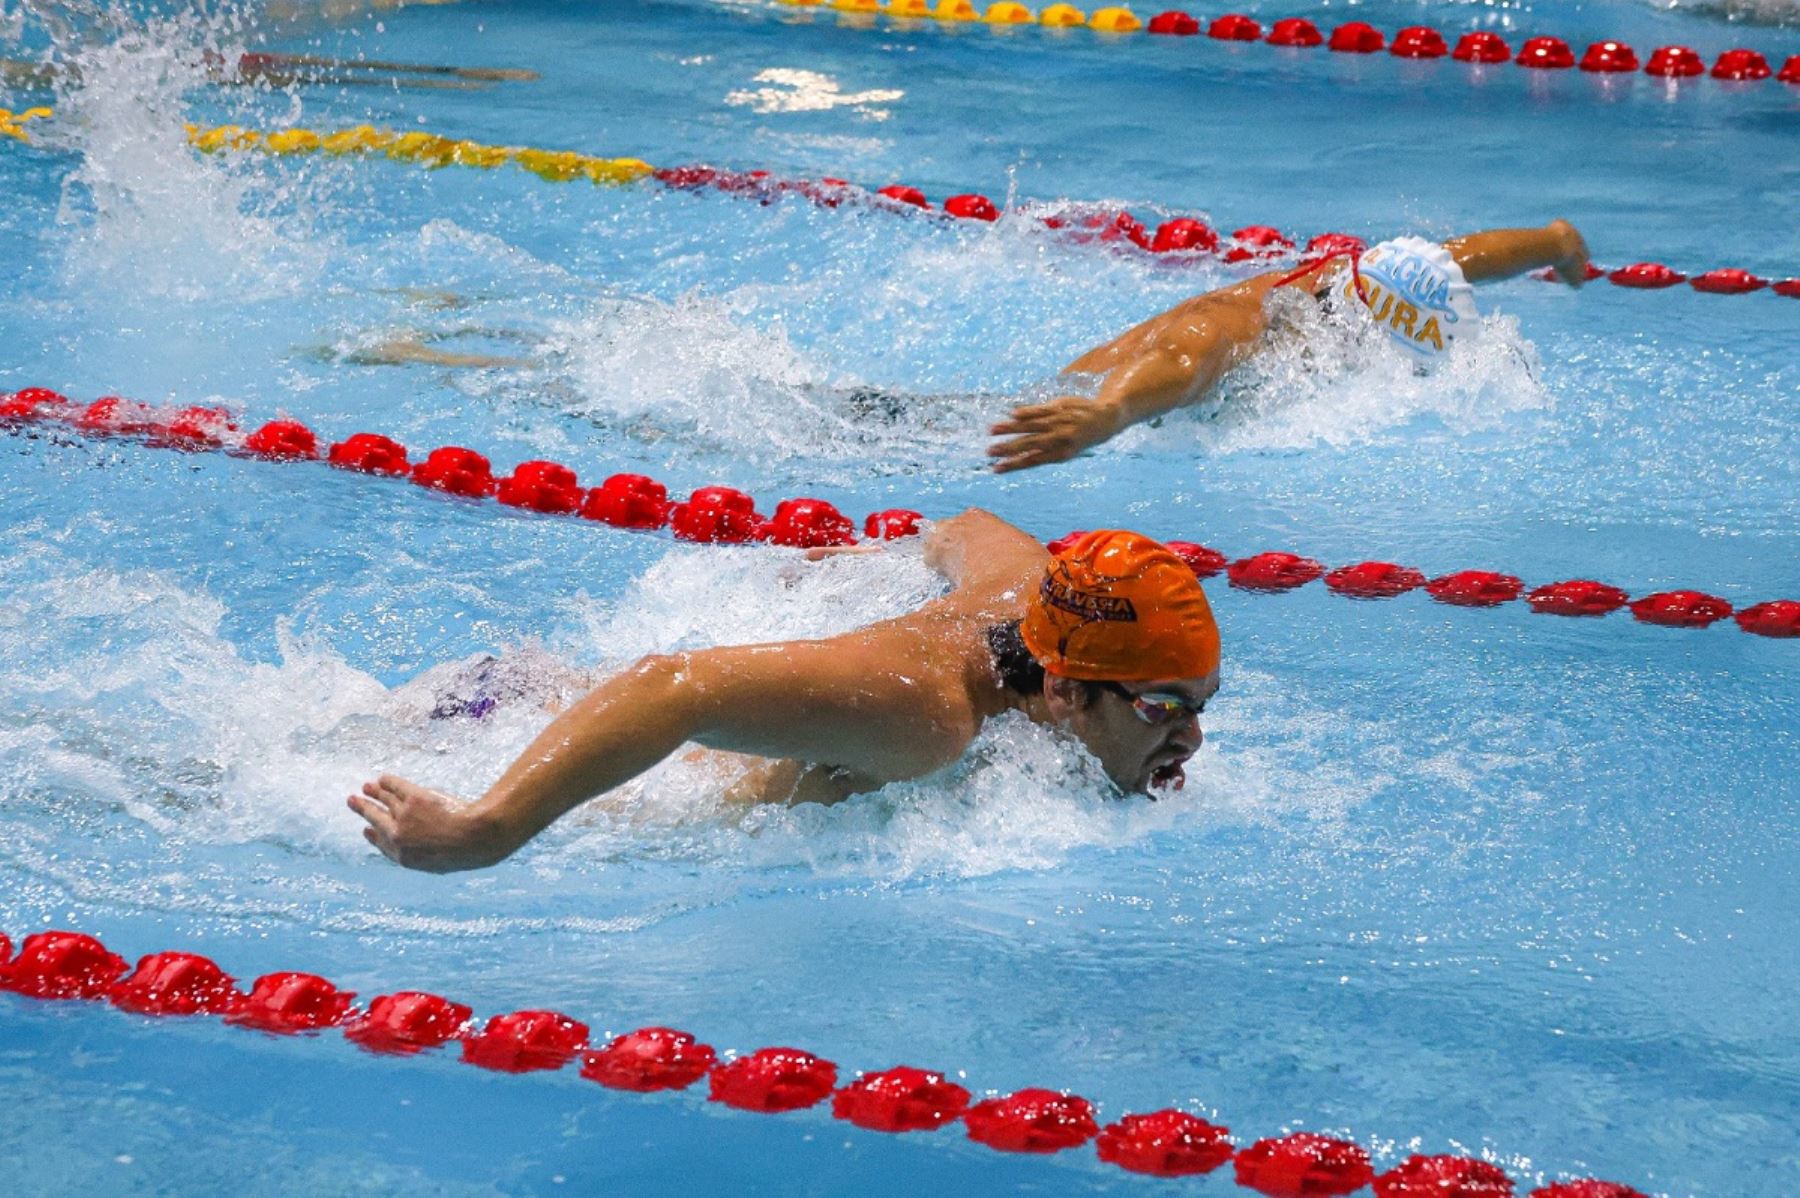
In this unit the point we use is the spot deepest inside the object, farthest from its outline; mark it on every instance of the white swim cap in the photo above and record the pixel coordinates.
(1417, 293)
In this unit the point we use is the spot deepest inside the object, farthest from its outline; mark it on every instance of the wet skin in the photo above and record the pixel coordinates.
(1176, 358)
(891, 701)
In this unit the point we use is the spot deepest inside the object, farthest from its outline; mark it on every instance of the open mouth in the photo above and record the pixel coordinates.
(1170, 776)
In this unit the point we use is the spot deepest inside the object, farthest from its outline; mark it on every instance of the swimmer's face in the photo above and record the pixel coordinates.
(1138, 753)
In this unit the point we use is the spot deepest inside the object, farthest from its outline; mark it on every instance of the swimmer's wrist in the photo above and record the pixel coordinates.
(490, 827)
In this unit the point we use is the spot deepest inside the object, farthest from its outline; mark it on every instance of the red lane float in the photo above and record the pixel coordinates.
(1646, 276)
(1609, 58)
(1356, 37)
(1681, 609)
(62, 965)
(810, 524)
(1418, 41)
(892, 524)
(1258, 241)
(283, 441)
(1777, 618)
(717, 516)
(910, 196)
(1032, 1120)
(1234, 27)
(1482, 46)
(1295, 31)
(1165, 1144)
(1204, 562)
(1727, 281)
(287, 1004)
(457, 471)
(546, 487)
(771, 1080)
(1546, 54)
(1675, 62)
(1273, 572)
(176, 984)
(196, 428)
(5, 949)
(972, 207)
(1475, 588)
(1444, 1177)
(1790, 70)
(1304, 1164)
(629, 501)
(1184, 234)
(900, 1099)
(1174, 23)
(33, 403)
(525, 1042)
(370, 453)
(1741, 66)
(1331, 245)
(650, 1059)
(1374, 580)
(1577, 597)
(408, 1022)
(111, 415)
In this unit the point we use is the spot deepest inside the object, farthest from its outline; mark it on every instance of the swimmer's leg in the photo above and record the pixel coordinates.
(413, 351)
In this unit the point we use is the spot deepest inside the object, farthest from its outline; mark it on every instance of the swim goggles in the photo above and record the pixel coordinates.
(1157, 707)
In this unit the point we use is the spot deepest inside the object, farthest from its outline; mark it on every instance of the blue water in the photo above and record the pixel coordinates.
(1443, 880)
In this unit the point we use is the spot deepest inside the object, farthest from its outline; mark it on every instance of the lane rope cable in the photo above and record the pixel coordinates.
(1480, 48)
(727, 516)
(73, 966)
(1176, 239)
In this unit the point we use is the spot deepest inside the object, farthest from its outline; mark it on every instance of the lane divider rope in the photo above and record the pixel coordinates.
(725, 515)
(1176, 239)
(70, 966)
(1481, 47)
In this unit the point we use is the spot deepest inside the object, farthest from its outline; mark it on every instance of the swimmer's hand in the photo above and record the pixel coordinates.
(423, 829)
(1052, 432)
(1571, 267)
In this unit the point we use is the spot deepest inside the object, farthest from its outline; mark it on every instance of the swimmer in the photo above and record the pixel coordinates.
(1416, 290)
(1111, 641)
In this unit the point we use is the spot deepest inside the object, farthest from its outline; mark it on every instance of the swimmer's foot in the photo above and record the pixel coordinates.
(1572, 266)
(426, 829)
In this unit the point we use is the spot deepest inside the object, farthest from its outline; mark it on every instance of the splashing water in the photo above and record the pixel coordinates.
(150, 220)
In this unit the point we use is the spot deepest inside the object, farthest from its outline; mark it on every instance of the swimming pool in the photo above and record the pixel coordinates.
(1443, 881)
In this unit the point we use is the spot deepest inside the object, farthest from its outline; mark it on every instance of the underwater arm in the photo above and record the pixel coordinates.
(1165, 363)
(1503, 253)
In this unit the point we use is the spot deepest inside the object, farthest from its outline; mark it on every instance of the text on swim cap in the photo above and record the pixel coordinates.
(1089, 606)
(1398, 314)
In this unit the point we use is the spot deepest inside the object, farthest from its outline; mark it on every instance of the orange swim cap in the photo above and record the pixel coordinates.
(1119, 607)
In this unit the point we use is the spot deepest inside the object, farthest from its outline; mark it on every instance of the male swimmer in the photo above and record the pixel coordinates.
(1416, 290)
(1111, 640)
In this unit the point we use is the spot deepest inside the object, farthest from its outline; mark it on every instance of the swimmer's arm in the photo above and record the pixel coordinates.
(815, 701)
(1503, 253)
(979, 552)
(1166, 363)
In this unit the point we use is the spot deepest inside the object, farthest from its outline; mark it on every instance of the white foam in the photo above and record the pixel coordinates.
(165, 718)
(153, 220)
(1327, 378)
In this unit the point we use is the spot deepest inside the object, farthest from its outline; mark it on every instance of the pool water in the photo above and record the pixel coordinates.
(1442, 881)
